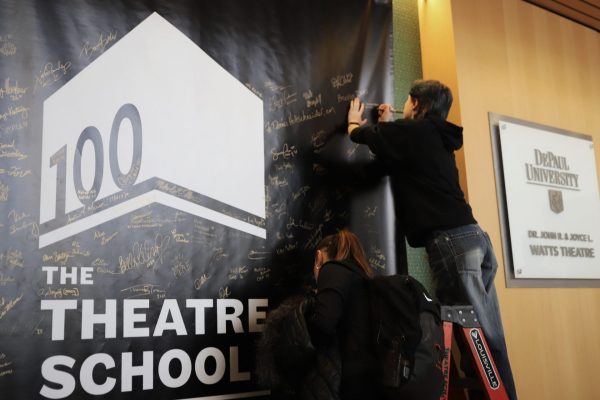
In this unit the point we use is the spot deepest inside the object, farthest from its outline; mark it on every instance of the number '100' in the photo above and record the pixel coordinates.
(91, 133)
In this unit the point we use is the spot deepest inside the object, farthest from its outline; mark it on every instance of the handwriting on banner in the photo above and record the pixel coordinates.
(377, 258)
(287, 248)
(17, 111)
(57, 257)
(285, 153)
(51, 73)
(147, 254)
(5, 365)
(9, 150)
(180, 237)
(295, 118)
(276, 181)
(99, 46)
(15, 172)
(13, 91)
(30, 227)
(370, 211)
(200, 282)
(11, 258)
(237, 273)
(7, 45)
(300, 193)
(149, 219)
(13, 127)
(347, 97)
(9, 305)
(58, 293)
(314, 238)
(144, 290)
(312, 100)
(284, 167)
(104, 237)
(258, 255)
(5, 279)
(262, 273)
(282, 99)
(181, 266)
(341, 80)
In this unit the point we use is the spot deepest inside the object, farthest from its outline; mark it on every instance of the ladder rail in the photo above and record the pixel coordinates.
(479, 352)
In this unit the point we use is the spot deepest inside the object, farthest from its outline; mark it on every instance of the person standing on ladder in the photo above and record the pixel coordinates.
(417, 152)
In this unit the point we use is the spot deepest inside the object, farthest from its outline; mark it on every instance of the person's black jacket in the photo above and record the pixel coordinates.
(289, 364)
(419, 157)
(341, 312)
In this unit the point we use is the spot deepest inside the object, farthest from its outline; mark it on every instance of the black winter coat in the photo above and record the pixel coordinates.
(287, 361)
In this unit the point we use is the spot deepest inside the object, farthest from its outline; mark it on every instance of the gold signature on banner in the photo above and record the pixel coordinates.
(315, 237)
(263, 273)
(5, 279)
(13, 127)
(7, 47)
(5, 364)
(282, 99)
(258, 255)
(276, 181)
(311, 99)
(104, 237)
(180, 237)
(61, 257)
(15, 172)
(13, 92)
(99, 46)
(146, 254)
(285, 153)
(58, 293)
(300, 193)
(341, 80)
(181, 266)
(345, 98)
(370, 211)
(76, 249)
(199, 282)
(237, 273)
(51, 73)
(286, 248)
(7, 307)
(377, 260)
(224, 292)
(285, 167)
(144, 290)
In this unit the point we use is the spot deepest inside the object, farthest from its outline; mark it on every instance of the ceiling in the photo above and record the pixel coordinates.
(584, 12)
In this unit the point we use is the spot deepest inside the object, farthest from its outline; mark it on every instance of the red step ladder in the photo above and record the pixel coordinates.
(463, 321)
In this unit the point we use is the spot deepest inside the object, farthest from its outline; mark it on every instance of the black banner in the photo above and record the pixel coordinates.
(166, 169)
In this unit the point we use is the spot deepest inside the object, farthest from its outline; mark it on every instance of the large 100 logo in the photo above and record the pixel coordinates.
(153, 120)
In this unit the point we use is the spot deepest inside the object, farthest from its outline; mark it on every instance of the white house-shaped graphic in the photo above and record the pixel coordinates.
(202, 130)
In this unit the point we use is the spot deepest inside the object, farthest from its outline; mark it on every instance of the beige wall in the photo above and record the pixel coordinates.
(518, 60)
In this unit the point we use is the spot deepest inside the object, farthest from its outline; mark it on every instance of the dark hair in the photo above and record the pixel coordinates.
(345, 245)
(434, 98)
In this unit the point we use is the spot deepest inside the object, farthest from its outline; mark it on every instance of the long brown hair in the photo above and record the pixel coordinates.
(345, 245)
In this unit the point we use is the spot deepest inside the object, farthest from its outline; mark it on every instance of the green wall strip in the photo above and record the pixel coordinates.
(407, 68)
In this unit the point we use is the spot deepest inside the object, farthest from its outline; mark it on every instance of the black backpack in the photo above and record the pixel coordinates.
(408, 338)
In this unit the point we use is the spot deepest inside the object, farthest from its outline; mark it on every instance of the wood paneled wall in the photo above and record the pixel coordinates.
(516, 59)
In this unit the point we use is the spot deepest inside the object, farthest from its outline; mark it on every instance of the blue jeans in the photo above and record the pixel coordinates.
(464, 266)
